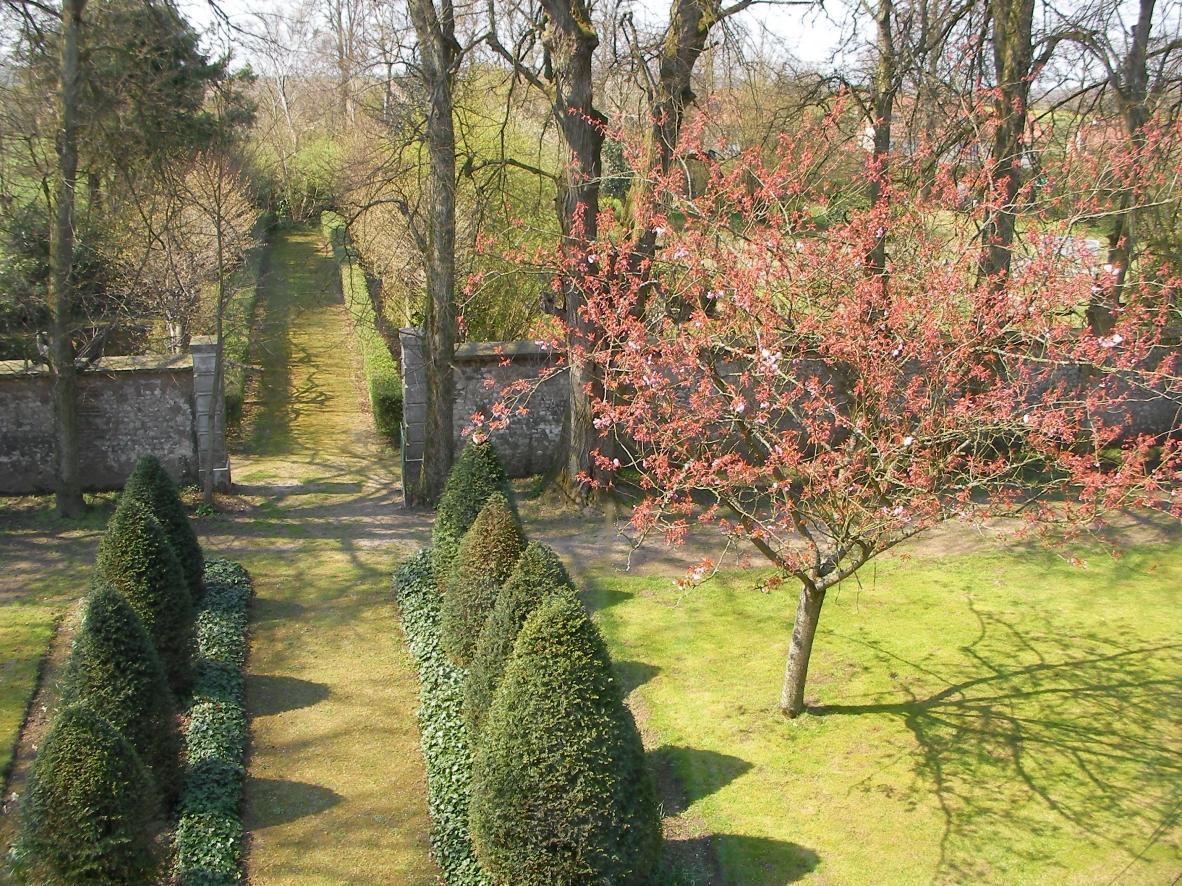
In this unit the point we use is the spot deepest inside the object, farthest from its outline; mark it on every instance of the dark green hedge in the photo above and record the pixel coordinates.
(209, 831)
(137, 559)
(90, 807)
(560, 792)
(446, 749)
(538, 574)
(489, 551)
(150, 484)
(475, 476)
(114, 670)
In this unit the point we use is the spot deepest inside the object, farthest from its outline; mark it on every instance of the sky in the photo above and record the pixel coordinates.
(803, 31)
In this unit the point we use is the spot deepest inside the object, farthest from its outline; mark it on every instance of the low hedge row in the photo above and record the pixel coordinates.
(209, 829)
(445, 739)
(382, 378)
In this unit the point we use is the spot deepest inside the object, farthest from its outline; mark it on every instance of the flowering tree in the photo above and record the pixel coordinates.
(824, 409)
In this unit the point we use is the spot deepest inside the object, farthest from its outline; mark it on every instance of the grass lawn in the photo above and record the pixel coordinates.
(1003, 717)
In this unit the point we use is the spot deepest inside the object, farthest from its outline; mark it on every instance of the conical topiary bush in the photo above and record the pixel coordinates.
(476, 475)
(88, 813)
(538, 574)
(136, 558)
(150, 483)
(487, 555)
(560, 792)
(115, 671)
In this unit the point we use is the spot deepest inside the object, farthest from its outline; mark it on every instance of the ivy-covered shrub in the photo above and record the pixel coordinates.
(487, 555)
(560, 792)
(114, 670)
(136, 558)
(446, 749)
(209, 832)
(538, 574)
(88, 813)
(150, 483)
(475, 476)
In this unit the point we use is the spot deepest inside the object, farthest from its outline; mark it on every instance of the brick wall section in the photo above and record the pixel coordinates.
(127, 407)
(530, 442)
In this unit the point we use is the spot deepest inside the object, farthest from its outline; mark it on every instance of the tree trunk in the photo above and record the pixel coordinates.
(1132, 90)
(439, 50)
(61, 261)
(1013, 57)
(796, 670)
(885, 85)
(570, 41)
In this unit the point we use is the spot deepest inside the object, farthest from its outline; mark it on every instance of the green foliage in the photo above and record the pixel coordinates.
(88, 813)
(150, 484)
(538, 574)
(209, 832)
(136, 558)
(560, 792)
(446, 748)
(487, 555)
(476, 475)
(382, 377)
(210, 844)
(114, 670)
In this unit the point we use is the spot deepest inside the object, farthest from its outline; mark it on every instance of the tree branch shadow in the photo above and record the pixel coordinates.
(1057, 729)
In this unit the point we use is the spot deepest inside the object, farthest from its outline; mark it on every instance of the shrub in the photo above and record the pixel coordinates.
(475, 476)
(114, 670)
(136, 558)
(90, 806)
(446, 749)
(486, 556)
(560, 792)
(538, 574)
(150, 483)
(209, 832)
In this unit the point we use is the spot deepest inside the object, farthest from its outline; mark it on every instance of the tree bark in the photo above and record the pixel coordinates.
(883, 105)
(1013, 58)
(570, 41)
(61, 260)
(1131, 85)
(796, 669)
(438, 53)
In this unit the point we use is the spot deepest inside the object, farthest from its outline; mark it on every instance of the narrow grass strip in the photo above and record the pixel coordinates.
(209, 828)
(382, 378)
(239, 318)
(446, 747)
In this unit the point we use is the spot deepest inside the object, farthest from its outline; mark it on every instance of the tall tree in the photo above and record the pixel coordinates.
(61, 261)
(438, 55)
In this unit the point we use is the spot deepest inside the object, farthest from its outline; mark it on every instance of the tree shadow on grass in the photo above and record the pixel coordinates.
(275, 801)
(1058, 732)
(268, 694)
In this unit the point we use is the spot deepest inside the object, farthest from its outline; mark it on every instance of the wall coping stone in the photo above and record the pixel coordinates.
(145, 363)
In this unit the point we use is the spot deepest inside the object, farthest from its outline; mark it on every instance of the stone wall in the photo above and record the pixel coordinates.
(483, 370)
(127, 407)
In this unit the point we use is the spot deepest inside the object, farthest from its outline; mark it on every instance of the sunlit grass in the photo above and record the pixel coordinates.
(1003, 718)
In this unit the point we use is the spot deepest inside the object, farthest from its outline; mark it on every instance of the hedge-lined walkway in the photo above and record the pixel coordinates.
(336, 790)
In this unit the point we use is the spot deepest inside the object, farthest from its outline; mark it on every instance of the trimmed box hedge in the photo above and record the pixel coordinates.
(209, 829)
(382, 378)
(446, 748)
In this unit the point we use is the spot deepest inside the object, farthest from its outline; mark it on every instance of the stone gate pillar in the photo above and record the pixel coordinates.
(211, 449)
